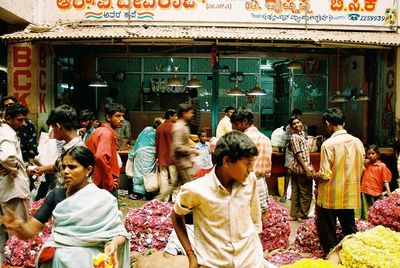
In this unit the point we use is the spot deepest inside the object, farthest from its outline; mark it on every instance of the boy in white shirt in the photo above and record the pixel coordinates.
(226, 209)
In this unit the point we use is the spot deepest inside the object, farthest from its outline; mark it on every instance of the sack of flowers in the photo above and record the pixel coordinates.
(276, 227)
(23, 253)
(386, 212)
(378, 247)
(149, 226)
(307, 240)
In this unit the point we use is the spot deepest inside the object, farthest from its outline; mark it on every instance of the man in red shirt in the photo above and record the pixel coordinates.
(102, 143)
(163, 150)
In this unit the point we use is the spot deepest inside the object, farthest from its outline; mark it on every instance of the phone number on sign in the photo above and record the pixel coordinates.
(355, 17)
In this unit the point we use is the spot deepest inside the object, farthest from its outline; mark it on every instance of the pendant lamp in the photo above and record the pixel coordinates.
(360, 96)
(175, 81)
(338, 97)
(295, 65)
(194, 83)
(98, 82)
(235, 91)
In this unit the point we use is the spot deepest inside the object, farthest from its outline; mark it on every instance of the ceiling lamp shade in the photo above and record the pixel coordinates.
(194, 83)
(235, 91)
(295, 65)
(256, 91)
(360, 96)
(175, 81)
(98, 82)
(338, 98)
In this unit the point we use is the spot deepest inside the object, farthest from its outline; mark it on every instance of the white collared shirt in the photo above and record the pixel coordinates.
(226, 224)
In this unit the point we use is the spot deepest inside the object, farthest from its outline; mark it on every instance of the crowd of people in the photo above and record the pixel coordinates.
(219, 187)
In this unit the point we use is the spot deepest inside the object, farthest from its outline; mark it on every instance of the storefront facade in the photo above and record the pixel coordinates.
(137, 46)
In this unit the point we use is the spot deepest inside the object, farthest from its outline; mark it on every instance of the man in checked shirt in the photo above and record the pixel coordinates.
(242, 120)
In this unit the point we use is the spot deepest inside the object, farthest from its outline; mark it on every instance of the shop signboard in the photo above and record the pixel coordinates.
(334, 14)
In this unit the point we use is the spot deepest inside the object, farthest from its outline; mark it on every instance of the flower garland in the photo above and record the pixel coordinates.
(307, 240)
(386, 212)
(276, 227)
(23, 253)
(149, 226)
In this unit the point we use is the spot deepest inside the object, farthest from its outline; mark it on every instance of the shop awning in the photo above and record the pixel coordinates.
(238, 34)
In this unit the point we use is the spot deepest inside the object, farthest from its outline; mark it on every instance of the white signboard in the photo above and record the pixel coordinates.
(337, 14)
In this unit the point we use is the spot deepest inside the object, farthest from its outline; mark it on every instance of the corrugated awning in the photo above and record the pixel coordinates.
(204, 33)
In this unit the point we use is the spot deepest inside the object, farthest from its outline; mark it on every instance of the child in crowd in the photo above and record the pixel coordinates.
(204, 162)
(226, 209)
(376, 176)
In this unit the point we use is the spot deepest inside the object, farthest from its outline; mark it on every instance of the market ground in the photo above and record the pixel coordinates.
(126, 204)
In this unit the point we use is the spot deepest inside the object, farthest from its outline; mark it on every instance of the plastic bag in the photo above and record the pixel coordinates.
(47, 149)
(278, 137)
(151, 182)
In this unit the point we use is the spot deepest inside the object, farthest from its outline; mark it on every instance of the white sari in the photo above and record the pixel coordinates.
(83, 223)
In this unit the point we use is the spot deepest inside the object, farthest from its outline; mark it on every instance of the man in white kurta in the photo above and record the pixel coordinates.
(225, 125)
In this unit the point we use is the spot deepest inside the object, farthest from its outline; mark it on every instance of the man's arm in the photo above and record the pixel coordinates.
(8, 157)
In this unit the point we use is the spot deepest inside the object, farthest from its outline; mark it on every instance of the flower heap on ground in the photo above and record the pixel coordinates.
(23, 253)
(149, 226)
(312, 263)
(286, 257)
(276, 227)
(307, 240)
(386, 212)
(378, 247)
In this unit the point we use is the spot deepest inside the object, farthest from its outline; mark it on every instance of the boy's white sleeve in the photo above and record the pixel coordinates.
(255, 208)
(184, 201)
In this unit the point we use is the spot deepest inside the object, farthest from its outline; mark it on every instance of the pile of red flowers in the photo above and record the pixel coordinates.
(386, 212)
(149, 226)
(276, 227)
(23, 253)
(307, 240)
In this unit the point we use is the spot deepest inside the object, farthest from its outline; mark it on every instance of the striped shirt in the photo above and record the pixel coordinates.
(263, 164)
(299, 146)
(341, 166)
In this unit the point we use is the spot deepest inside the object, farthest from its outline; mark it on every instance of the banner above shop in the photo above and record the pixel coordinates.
(337, 14)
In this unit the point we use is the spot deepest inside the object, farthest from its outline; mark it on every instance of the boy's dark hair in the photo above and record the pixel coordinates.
(64, 115)
(112, 108)
(85, 115)
(229, 108)
(5, 98)
(375, 148)
(169, 113)
(235, 145)
(291, 119)
(183, 108)
(201, 131)
(242, 114)
(333, 116)
(296, 112)
(15, 109)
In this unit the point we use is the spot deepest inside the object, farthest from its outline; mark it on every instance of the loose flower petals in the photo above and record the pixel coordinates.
(276, 227)
(149, 226)
(102, 260)
(307, 240)
(23, 253)
(386, 212)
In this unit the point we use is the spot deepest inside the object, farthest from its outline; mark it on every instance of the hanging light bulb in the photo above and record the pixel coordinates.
(98, 82)
(235, 91)
(338, 97)
(194, 83)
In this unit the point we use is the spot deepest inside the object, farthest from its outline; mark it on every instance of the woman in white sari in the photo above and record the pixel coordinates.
(86, 219)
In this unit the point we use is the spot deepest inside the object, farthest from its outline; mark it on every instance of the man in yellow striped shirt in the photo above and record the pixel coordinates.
(341, 166)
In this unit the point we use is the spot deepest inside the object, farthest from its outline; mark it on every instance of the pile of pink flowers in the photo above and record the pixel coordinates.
(23, 253)
(149, 226)
(276, 227)
(307, 240)
(386, 212)
(286, 257)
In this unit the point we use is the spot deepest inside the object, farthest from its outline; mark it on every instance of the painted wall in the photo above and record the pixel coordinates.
(15, 11)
